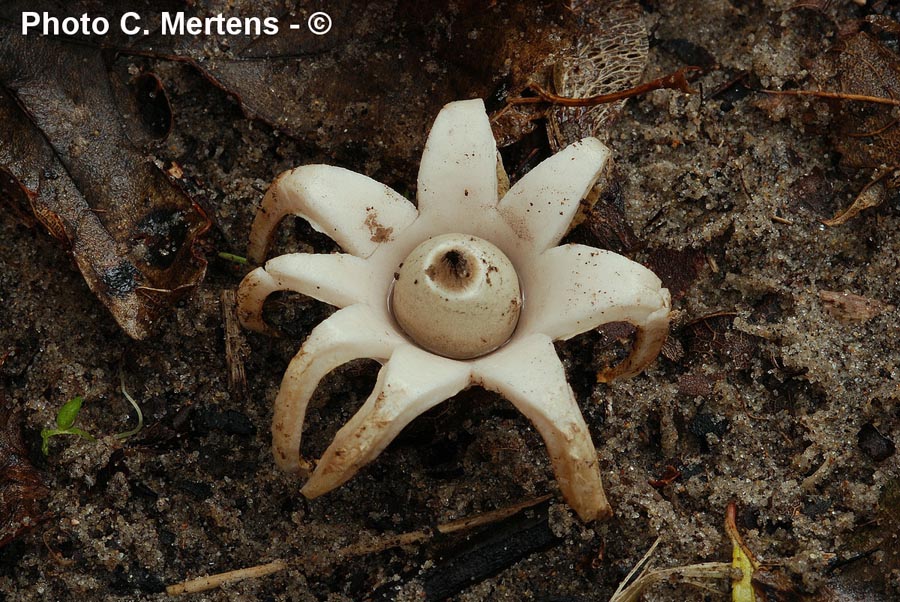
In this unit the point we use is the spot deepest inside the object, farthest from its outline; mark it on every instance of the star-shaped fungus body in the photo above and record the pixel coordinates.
(468, 289)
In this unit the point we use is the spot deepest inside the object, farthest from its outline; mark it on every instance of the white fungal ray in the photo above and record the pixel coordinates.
(355, 211)
(337, 279)
(541, 206)
(530, 375)
(567, 290)
(412, 382)
(457, 181)
(575, 288)
(348, 334)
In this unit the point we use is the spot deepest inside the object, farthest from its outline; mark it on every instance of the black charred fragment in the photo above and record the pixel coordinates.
(499, 547)
(120, 280)
(705, 424)
(503, 547)
(875, 445)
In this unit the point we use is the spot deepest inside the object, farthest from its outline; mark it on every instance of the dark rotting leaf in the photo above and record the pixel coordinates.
(156, 112)
(16, 197)
(678, 269)
(120, 280)
(63, 138)
(715, 335)
(22, 489)
(163, 231)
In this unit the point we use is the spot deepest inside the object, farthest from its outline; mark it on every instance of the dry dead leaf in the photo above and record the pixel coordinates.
(609, 55)
(21, 487)
(867, 134)
(848, 306)
(65, 146)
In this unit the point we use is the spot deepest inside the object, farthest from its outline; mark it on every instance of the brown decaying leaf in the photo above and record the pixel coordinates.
(851, 307)
(62, 138)
(868, 134)
(21, 487)
(677, 269)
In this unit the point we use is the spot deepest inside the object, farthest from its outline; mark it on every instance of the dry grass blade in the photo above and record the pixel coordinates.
(695, 574)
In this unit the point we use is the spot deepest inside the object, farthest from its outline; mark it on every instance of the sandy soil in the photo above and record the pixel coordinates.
(771, 404)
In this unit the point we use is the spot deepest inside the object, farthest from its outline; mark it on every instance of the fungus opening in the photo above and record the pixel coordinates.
(457, 295)
(452, 270)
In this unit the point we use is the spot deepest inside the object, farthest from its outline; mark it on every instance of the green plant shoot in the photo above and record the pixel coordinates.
(65, 421)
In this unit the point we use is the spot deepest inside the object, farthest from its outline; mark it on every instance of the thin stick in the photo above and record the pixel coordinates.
(487, 518)
(836, 95)
(202, 584)
(677, 81)
(692, 573)
(640, 566)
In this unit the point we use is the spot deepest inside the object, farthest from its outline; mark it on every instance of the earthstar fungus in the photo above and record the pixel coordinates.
(468, 289)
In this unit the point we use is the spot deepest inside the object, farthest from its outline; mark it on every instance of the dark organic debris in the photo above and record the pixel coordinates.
(698, 384)
(677, 269)
(499, 547)
(705, 424)
(232, 422)
(874, 444)
(300, 83)
(65, 146)
(863, 93)
(21, 487)
(715, 335)
(851, 307)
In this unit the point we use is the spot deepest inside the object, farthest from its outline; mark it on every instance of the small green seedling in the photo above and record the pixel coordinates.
(233, 258)
(65, 421)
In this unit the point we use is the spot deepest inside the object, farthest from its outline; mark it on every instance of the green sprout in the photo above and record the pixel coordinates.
(232, 257)
(65, 421)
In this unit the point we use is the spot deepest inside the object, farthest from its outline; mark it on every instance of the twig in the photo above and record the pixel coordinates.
(234, 358)
(835, 95)
(676, 81)
(202, 584)
(209, 582)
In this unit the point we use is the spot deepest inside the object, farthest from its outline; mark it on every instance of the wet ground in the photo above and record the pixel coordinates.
(775, 392)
